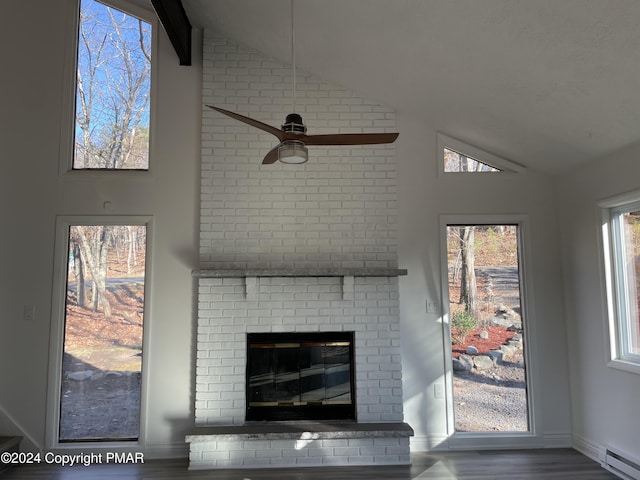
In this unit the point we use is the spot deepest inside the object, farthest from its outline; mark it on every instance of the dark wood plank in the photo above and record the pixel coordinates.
(550, 464)
(176, 23)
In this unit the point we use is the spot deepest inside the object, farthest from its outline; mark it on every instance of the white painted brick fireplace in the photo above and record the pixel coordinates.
(294, 248)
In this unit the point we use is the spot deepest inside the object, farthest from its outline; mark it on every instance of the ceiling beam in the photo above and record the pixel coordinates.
(176, 23)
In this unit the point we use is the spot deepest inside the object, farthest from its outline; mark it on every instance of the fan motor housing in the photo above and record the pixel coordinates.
(293, 123)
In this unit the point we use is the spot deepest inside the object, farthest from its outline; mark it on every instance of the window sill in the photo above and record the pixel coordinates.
(625, 366)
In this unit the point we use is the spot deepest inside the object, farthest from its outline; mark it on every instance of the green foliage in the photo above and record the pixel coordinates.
(463, 323)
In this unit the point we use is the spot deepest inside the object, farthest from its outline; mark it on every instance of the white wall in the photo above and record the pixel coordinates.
(35, 41)
(423, 198)
(604, 400)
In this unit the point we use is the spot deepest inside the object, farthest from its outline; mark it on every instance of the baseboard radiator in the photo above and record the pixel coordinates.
(620, 464)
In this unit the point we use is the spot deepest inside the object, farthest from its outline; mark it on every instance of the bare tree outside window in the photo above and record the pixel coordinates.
(113, 85)
(468, 289)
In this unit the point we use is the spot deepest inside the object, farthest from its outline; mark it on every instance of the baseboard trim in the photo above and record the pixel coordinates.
(557, 440)
(494, 441)
(586, 447)
(597, 453)
(429, 443)
(166, 451)
(470, 441)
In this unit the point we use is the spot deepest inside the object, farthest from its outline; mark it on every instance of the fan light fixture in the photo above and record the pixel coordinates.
(293, 151)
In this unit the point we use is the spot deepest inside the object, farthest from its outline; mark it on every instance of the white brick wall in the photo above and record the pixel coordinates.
(338, 210)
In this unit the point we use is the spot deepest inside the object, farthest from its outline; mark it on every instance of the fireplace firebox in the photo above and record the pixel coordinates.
(300, 376)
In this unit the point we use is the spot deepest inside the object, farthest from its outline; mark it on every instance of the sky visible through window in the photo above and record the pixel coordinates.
(113, 87)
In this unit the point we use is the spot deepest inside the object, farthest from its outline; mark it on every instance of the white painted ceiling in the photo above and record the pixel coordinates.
(549, 84)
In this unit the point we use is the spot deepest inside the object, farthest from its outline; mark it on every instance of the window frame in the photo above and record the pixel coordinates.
(504, 166)
(616, 281)
(56, 337)
(136, 8)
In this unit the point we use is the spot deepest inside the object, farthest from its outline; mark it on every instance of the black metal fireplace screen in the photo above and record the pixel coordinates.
(300, 376)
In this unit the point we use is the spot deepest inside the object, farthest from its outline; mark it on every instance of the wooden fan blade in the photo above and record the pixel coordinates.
(349, 139)
(272, 156)
(250, 121)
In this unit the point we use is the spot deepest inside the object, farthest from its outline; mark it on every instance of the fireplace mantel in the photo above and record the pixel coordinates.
(251, 276)
(299, 272)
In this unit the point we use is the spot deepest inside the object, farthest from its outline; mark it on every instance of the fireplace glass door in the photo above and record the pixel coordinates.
(293, 376)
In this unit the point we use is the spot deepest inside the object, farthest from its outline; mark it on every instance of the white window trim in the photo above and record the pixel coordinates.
(615, 311)
(137, 9)
(58, 306)
(505, 166)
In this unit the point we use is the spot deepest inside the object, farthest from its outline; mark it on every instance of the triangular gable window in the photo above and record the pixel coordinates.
(458, 162)
(455, 156)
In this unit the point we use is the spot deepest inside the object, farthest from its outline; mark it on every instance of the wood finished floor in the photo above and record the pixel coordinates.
(556, 464)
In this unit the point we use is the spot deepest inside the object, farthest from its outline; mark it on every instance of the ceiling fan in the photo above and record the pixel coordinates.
(293, 133)
(294, 140)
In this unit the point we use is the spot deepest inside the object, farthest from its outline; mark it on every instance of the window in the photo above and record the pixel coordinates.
(622, 246)
(102, 351)
(113, 90)
(457, 157)
(487, 325)
(97, 348)
(458, 162)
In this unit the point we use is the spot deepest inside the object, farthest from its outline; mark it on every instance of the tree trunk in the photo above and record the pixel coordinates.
(93, 258)
(468, 288)
(132, 258)
(79, 274)
(464, 163)
(103, 247)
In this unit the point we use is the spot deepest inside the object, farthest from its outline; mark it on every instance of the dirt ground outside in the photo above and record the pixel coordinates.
(104, 406)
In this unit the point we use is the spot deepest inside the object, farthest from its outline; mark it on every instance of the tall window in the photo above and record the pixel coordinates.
(624, 274)
(113, 89)
(487, 329)
(101, 370)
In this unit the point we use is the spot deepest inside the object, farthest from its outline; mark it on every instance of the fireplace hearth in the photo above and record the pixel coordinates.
(300, 376)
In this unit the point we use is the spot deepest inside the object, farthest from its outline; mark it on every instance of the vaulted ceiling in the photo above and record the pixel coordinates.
(549, 84)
